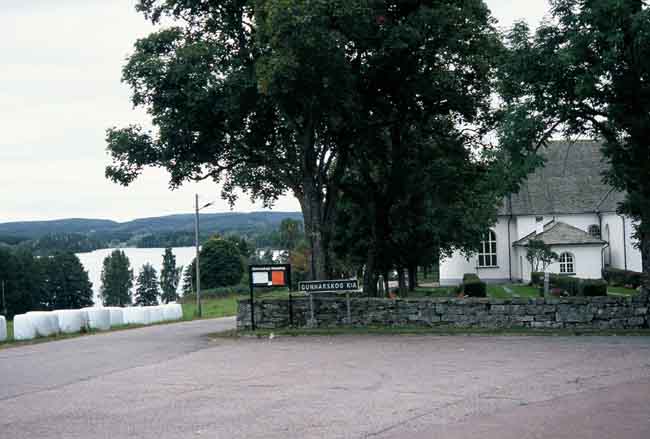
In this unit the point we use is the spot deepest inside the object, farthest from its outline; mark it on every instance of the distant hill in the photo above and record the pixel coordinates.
(240, 223)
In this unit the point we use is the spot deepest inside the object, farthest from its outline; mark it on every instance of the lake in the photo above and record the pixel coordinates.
(93, 261)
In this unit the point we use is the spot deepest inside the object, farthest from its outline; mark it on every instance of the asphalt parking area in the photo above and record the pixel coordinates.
(173, 382)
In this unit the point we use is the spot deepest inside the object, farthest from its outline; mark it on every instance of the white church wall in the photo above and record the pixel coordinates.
(586, 259)
(622, 252)
(452, 269)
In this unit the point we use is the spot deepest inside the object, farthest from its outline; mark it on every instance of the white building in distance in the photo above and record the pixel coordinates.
(567, 205)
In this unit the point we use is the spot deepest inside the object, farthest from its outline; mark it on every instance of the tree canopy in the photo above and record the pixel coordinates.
(586, 72)
(117, 279)
(147, 290)
(170, 276)
(275, 96)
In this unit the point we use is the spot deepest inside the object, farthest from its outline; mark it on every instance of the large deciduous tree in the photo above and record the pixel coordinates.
(426, 88)
(586, 72)
(247, 93)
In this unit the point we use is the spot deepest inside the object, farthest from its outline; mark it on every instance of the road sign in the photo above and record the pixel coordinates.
(321, 286)
(270, 275)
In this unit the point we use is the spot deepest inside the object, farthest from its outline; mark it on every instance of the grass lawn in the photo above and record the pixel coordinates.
(620, 291)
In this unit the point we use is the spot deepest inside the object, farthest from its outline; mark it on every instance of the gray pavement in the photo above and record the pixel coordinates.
(172, 381)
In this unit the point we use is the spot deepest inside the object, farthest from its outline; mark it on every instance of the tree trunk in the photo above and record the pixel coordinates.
(387, 283)
(370, 276)
(644, 232)
(401, 278)
(413, 277)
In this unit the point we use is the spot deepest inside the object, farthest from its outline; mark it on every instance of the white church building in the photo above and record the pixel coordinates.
(568, 206)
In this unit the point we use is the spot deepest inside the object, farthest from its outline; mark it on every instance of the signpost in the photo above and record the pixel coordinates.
(267, 276)
(329, 286)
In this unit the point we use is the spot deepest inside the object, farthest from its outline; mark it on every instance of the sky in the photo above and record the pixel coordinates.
(60, 89)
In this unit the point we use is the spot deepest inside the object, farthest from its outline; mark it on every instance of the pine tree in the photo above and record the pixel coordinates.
(188, 279)
(170, 276)
(117, 280)
(147, 291)
(66, 282)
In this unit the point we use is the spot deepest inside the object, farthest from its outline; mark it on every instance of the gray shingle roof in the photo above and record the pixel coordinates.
(570, 182)
(559, 233)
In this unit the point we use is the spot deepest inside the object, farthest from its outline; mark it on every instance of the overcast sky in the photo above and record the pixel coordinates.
(60, 88)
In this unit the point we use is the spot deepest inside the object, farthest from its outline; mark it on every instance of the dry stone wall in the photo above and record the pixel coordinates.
(551, 313)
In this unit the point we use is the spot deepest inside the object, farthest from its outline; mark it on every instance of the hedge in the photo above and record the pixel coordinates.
(574, 286)
(473, 286)
(619, 277)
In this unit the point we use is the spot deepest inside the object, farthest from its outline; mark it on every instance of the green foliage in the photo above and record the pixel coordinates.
(573, 286)
(586, 72)
(170, 276)
(221, 264)
(147, 291)
(189, 276)
(44, 283)
(117, 279)
(537, 252)
(473, 286)
(291, 234)
(619, 277)
(66, 283)
(593, 287)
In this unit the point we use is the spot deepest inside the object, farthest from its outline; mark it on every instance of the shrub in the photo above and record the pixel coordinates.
(537, 278)
(473, 286)
(593, 287)
(618, 277)
(567, 283)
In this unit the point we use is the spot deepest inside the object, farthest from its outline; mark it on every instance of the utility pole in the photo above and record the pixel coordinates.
(4, 301)
(198, 265)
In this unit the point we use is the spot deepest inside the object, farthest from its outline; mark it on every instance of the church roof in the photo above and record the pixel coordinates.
(570, 182)
(559, 233)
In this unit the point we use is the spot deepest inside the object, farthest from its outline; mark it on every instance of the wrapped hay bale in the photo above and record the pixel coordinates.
(174, 311)
(45, 323)
(138, 316)
(155, 314)
(3, 328)
(169, 313)
(70, 320)
(98, 318)
(23, 328)
(179, 311)
(116, 315)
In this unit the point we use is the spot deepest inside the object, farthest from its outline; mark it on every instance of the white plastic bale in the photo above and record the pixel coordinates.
(169, 312)
(23, 328)
(3, 328)
(139, 316)
(155, 314)
(70, 320)
(45, 323)
(127, 315)
(98, 318)
(117, 315)
(146, 315)
(177, 310)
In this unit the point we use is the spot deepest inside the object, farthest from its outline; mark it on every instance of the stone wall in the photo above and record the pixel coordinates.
(552, 313)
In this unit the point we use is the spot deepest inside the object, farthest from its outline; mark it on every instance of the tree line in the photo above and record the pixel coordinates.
(30, 283)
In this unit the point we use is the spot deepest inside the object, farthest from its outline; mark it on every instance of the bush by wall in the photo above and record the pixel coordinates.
(473, 286)
(593, 288)
(574, 286)
(618, 277)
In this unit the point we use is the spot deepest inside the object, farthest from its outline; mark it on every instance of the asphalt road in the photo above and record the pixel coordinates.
(172, 381)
